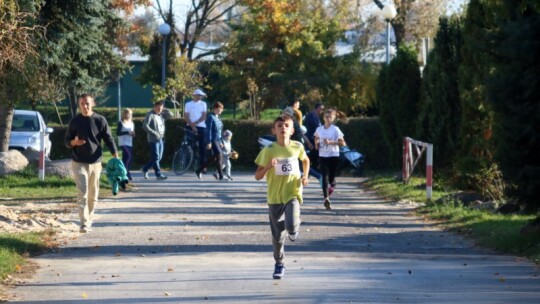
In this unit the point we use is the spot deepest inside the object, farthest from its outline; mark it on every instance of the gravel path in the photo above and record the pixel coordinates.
(187, 241)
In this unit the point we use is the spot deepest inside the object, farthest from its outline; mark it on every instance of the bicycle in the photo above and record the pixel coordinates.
(187, 154)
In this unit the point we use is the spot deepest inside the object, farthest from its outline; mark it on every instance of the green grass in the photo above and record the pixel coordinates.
(492, 230)
(26, 185)
(14, 247)
(389, 187)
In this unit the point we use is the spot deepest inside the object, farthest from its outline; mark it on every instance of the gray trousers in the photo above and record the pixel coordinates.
(283, 218)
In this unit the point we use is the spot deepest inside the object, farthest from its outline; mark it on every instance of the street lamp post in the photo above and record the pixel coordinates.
(388, 13)
(164, 29)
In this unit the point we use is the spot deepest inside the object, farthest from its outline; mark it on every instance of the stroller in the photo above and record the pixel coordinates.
(348, 158)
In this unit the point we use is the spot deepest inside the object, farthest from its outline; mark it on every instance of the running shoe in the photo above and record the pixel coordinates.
(144, 174)
(279, 271)
(293, 236)
(327, 204)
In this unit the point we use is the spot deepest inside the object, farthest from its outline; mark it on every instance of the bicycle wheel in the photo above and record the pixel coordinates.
(182, 159)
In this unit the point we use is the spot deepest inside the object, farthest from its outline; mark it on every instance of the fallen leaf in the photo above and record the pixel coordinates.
(501, 279)
(170, 270)
(18, 268)
(84, 295)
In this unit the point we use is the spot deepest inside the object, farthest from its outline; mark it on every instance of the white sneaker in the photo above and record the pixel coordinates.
(293, 236)
(144, 174)
(85, 229)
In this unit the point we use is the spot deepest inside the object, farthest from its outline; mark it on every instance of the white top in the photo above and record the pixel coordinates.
(333, 133)
(227, 148)
(196, 110)
(126, 140)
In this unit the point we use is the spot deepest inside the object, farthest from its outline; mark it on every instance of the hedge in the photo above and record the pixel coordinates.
(363, 134)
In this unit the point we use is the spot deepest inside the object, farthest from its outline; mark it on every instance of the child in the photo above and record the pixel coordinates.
(328, 139)
(279, 162)
(227, 151)
(125, 132)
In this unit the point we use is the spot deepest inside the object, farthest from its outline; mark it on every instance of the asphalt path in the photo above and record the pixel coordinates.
(188, 241)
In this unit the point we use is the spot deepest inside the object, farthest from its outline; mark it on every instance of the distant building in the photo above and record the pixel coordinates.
(132, 93)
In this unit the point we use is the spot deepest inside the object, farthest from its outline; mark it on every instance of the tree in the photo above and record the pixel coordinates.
(514, 92)
(415, 19)
(398, 95)
(289, 44)
(186, 79)
(18, 38)
(475, 166)
(440, 104)
(80, 44)
(203, 18)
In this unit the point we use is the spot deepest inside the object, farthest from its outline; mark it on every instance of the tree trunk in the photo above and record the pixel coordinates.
(6, 118)
(58, 114)
(72, 97)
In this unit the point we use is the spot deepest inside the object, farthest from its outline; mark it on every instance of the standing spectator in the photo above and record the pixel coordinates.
(328, 139)
(312, 121)
(227, 153)
(125, 132)
(154, 126)
(84, 135)
(279, 163)
(195, 114)
(214, 127)
(297, 113)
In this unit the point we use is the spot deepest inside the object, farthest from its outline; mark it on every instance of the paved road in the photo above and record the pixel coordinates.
(187, 241)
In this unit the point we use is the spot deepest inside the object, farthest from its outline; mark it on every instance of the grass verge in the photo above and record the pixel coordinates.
(19, 188)
(492, 230)
(26, 185)
(15, 247)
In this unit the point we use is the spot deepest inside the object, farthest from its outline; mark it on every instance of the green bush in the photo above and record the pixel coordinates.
(440, 105)
(398, 92)
(514, 92)
(363, 134)
(475, 166)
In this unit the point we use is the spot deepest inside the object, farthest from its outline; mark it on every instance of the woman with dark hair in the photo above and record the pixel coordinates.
(214, 128)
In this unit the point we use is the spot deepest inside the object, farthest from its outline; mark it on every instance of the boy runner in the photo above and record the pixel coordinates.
(279, 163)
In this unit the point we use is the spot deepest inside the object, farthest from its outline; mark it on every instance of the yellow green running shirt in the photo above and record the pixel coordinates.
(283, 181)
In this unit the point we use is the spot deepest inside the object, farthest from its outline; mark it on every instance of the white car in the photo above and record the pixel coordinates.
(25, 131)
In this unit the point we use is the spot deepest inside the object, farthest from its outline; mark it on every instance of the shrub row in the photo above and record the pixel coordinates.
(363, 134)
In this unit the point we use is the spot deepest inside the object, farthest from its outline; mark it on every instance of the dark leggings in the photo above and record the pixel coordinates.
(127, 157)
(328, 167)
(216, 157)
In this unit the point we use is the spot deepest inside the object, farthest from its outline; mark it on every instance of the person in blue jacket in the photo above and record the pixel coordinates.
(214, 127)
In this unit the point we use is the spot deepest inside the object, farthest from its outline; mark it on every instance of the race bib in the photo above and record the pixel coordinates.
(324, 148)
(287, 166)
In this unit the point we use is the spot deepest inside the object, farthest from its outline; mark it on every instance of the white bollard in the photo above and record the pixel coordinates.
(41, 173)
(429, 172)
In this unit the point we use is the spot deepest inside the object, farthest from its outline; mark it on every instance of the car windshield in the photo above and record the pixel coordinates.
(24, 123)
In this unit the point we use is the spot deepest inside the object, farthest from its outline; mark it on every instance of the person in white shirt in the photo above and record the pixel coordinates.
(328, 139)
(195, 113)
(125, 132)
